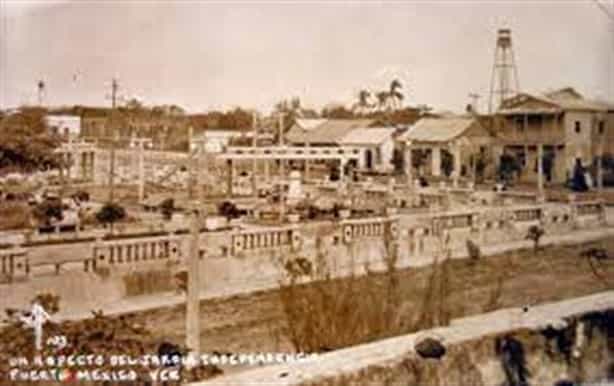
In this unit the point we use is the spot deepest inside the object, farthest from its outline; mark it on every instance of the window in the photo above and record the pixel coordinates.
(601, 127)
(578, 126)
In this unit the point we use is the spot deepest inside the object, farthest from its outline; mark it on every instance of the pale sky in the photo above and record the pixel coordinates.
(203, 55)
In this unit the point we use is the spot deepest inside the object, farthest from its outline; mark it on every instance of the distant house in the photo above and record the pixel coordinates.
(215, 140)
(323, 132)
(571, 128)
(376, 145)
(68, 126)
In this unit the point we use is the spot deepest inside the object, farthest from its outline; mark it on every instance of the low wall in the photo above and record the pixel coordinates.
(248, 257)
(567, 341)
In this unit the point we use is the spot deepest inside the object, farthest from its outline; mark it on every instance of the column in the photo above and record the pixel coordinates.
(83, 165)
(229, 177)
(341, 170)
(68, 157)
(307, 163)
(540, 170)
(254, 177)
(409, 165)
(62, 166)
(599, 181)
(141, 170)
(456, 154)
(267, 170)
(282, 195)
(76, 163)
(89, 166)
(435, 161)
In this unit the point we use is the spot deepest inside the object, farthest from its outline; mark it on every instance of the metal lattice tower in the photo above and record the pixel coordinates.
(504, 80)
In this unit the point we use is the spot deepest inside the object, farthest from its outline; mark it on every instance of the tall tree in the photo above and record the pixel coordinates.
(394, 93)
(382, 100)
(25, 141)
(363, 104)
(291, 109)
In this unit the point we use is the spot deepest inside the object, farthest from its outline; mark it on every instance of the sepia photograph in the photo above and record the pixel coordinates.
(307, 193)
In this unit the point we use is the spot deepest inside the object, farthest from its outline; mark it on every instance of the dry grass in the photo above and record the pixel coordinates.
(330, 313)
(139, 283)
(434, 310)
(14, 216)
(333, 313)
(258, 321)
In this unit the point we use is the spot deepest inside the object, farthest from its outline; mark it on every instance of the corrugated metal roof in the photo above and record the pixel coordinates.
(368, 136)
(331, 131)
(442, 129)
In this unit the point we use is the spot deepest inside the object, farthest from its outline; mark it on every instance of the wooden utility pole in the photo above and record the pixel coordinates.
(192, 168)
(114, 87)
(281, 129)
(254, 161)
(282, 187)
(193, 293)
(202, 161)
(540, 171)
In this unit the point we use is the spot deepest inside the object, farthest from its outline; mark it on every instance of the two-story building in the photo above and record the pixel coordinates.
(568, 127)
(68, 126)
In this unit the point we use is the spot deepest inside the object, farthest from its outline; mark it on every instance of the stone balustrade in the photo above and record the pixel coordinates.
(15, 263)
(419, 236)
(254, 240)
(519, 197)
(356, 229)
(528, 214)
(589, 208)
(589, 213)
(134, 251)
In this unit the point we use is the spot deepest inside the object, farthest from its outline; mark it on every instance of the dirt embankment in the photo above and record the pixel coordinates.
(257, 322)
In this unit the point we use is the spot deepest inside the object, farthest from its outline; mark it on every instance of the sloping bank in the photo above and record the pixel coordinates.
(560, 343)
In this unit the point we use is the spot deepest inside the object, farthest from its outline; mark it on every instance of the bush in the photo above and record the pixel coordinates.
(229, 210)
(167, 207)
(110, 213)
(48, 210)
(535, 233)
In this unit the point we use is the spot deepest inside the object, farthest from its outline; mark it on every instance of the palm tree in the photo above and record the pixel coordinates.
(382, 99)
(363, 103)
(394, 94)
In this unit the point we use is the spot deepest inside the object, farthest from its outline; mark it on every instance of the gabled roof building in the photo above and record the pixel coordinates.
(569, 128)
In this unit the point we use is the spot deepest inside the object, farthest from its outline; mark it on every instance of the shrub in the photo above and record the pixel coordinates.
(229, 210)
(110, 213)
(535, 233)
(49, 210)
(167, 207)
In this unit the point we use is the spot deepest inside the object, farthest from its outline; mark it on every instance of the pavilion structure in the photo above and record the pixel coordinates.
(283, 154)
(78, 160)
